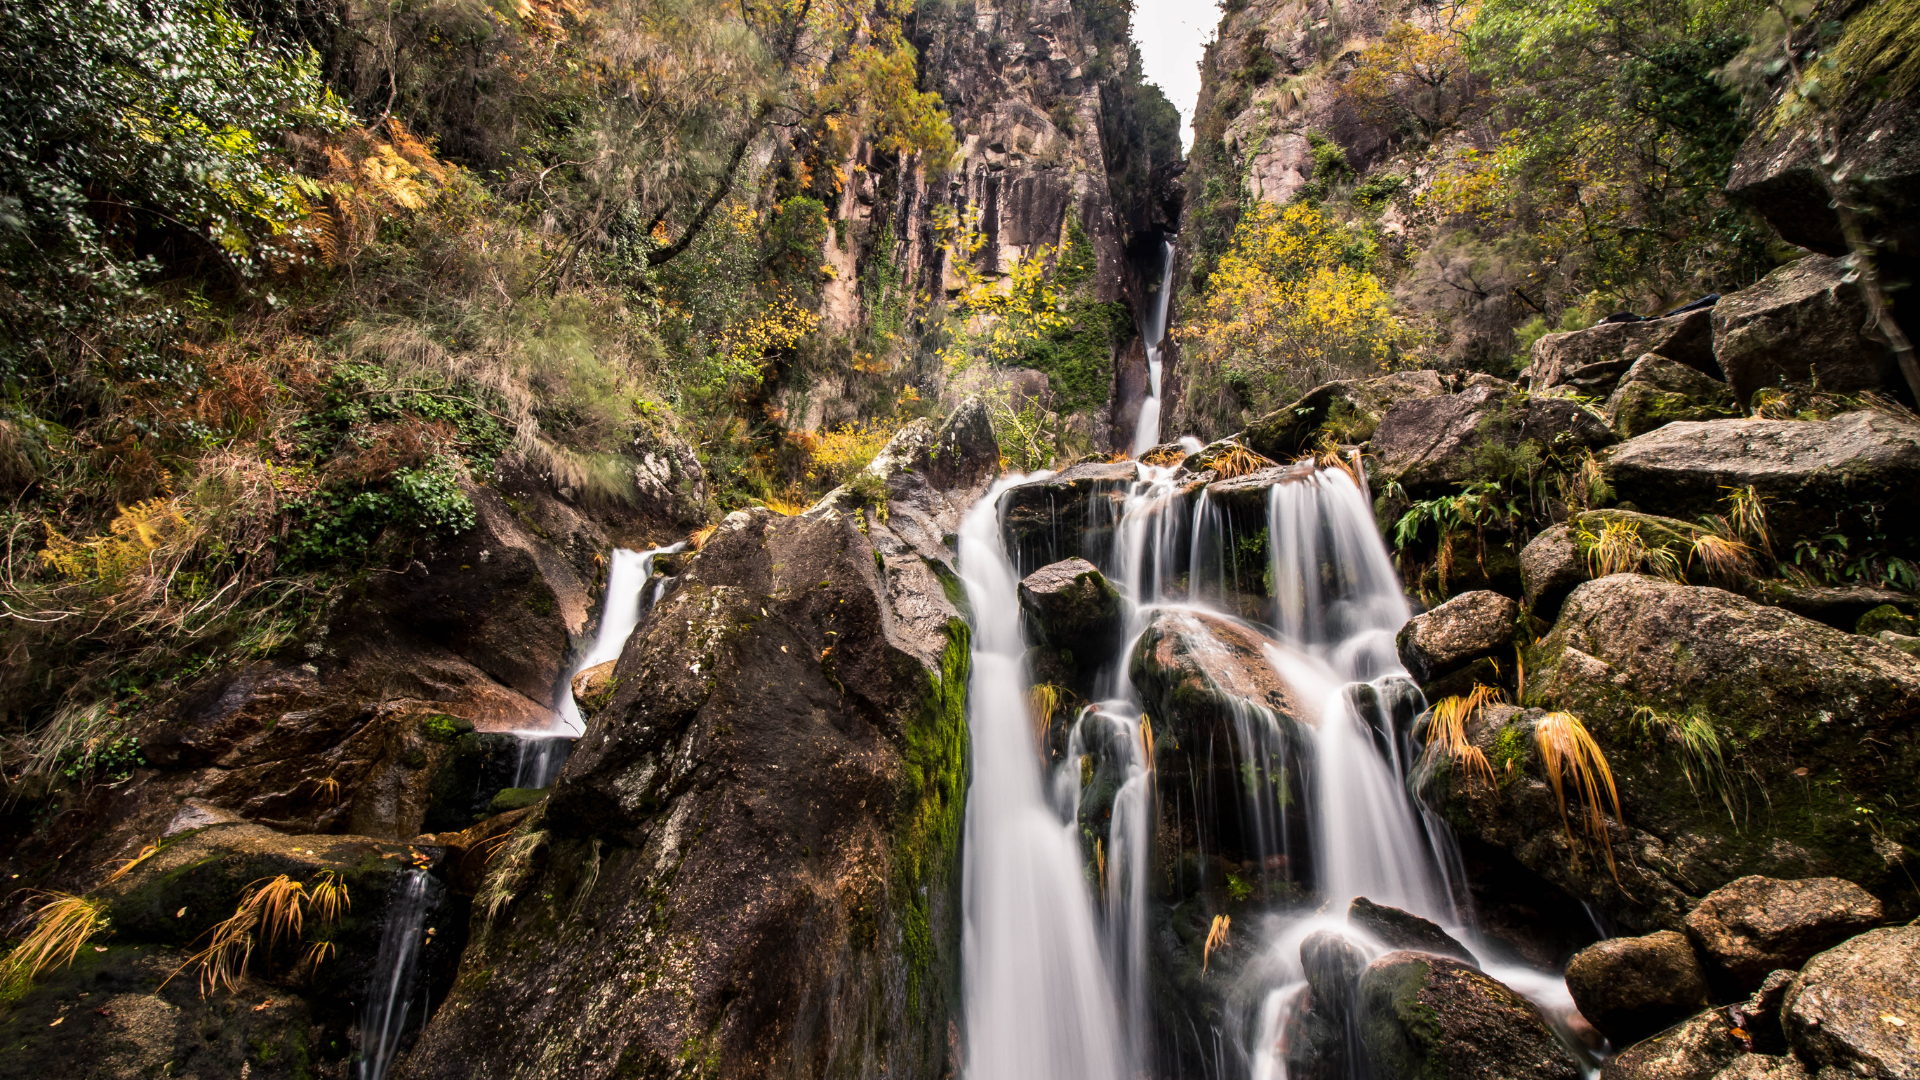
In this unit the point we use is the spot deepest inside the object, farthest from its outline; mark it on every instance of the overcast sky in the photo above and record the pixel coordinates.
(1172, 34)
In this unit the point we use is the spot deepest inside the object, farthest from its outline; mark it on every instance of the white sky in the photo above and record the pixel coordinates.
(1172, 34)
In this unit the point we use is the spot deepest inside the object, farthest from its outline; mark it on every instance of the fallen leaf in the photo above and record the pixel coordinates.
(104, 1012)
(58, 1022)
(181, 914)
(99, 948)
(1889, 1018)
(267, 1004)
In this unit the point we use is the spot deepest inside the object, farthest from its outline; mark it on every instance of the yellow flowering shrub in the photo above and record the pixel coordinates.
(1287, 308)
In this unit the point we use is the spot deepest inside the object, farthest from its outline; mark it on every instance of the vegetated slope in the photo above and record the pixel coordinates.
(1391, 185)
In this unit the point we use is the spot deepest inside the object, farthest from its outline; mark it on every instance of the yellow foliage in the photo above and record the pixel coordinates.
(275, 907)
(1216, 939)
(1285, 307)
(1447, 734)
(130, 543)
(840, 452)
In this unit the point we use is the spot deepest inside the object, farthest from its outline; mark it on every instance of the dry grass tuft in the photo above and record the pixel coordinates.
(1216, 939)
(699, 537)
(1619, 549)
(270, 910)
(1447, 735)
(1568, 751)
(1238, 462)
(1747, 514)
(61, 927)
(1043, 701)
(510, 864)
(1726, 561)
(125, 868)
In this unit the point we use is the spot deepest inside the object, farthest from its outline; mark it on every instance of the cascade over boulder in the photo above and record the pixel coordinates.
(1430, 1016)
(1854, 1010)
(1432, 445)
(1657, 391)
(1319, 1034)
(1820, 721)
(1349, 410)
(1592, 361)
(1853, 474)
(1755, 925)
(1074, 618)
(744, 840)
(1631, 987)
(1070, 514)
(1802, 323)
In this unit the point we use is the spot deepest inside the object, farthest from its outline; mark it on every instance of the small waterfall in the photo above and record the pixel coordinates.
(396, 973)
(1038, 999)
(631, 593)
(1146, 433)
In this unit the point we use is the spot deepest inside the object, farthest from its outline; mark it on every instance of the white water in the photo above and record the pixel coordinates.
(631, 592)
(1037, 1000)
(1146, 432)
(396, 973)
(1037, 997)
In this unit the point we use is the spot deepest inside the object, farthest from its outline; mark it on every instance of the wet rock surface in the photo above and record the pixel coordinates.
(1852, 474)
(1630, 988)
(1397, 929)
(1697, 1048)
(1321, 1037)
(1466, 628)
(1755, 925)
(1073, 623)
(1068, 515)
(1855, 1009)
(1422, 1015)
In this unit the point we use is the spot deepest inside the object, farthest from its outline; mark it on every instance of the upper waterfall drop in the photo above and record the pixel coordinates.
(1146, 434)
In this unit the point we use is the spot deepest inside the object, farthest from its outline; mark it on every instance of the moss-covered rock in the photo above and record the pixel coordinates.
(1348, 411)
(1424, 1017)
(1743, 740)
(749, 864)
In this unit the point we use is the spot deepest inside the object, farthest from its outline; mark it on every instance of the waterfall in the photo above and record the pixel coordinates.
(396, 972)
(631, 592)
(1056, 933)
(1037, 996)
(1146, 433)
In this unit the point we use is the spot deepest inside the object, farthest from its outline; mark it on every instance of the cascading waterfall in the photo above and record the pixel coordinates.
(1042, 998)
(396, 973)
(1038, 1000)
(1146, 434)
(631, 592)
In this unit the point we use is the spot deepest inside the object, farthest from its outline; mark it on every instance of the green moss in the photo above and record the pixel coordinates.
(925, 875)
(1510, 749)
(444, 729)
(1885, 617)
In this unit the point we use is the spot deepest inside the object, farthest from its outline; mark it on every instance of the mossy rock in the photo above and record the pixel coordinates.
(516, 799)
(1425, 1017)
(1886, 617)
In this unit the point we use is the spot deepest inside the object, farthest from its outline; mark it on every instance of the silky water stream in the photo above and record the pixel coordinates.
(1056, 978)
(632, 589)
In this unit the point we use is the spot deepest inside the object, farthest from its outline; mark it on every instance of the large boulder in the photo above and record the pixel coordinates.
(760, 830)
(1657, 391)
(1854, 474)
(1225, 722)
(1074, 614)
(1429, 1016)
(1591, 361)
(1631, 987)
(1674, 680)
(1755, 925)
(1550, 566)
(1469, 627)
(1431, 445)
(1855, 1009)
(1803, 323)
(1319, 1039)
(1349, 411)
